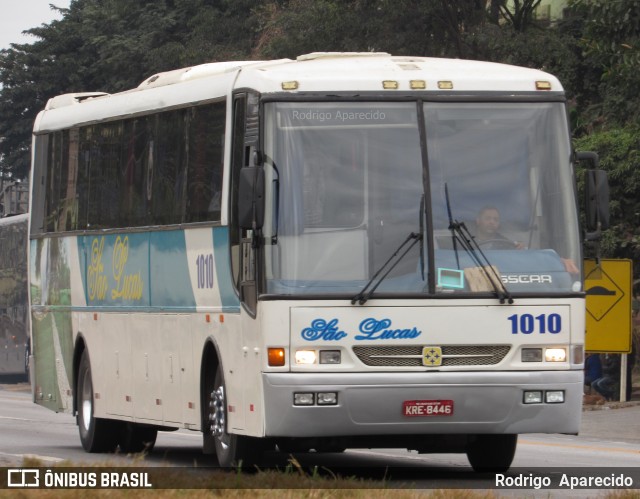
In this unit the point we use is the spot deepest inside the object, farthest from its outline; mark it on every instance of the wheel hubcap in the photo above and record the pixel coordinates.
(87, 403)
(217, 413)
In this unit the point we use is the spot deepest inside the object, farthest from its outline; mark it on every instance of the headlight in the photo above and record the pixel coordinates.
(305, 357)
(330, 357)
(555, 355)
(531, 355)
(551, 354)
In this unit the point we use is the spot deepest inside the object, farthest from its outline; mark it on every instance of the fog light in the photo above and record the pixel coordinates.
(327, 398)
(330, 357)
(554, 397)
(305, 357)
(555, 355)
(531, 355)
(303, 399)
(533, 397)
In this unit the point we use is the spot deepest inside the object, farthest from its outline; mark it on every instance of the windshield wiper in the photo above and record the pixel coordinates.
(460, 234)
(411, 240)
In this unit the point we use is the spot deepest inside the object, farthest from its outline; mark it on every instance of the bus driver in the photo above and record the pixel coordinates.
(487, 235)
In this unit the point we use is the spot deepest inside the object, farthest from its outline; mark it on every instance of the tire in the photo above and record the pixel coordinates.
(231, 450)
(491, 453)
(136, 438)
(96, 435)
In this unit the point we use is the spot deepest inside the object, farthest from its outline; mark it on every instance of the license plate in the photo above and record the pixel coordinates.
(418, 408)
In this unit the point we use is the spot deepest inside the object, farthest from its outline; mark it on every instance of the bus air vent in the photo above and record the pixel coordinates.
(411, 355)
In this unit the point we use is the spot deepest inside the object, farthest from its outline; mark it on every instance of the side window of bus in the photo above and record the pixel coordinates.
(62, 207)
(39, 184)
(158, 169)
(205, 158)
(56, 179)
(117, 163)
(168, 176)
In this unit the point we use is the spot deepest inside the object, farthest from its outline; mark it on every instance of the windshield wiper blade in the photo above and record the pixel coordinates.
(411, 240)
(454, 241)
(471, 246)
(461, 234)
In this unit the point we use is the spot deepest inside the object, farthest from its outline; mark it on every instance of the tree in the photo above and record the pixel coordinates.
(611, 44)
(110, 46)
(445, 28)
(607, 114)
(30, 75)
(521, 14)
(619, 151)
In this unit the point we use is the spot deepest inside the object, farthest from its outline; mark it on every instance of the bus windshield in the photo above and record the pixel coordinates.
(350, 181)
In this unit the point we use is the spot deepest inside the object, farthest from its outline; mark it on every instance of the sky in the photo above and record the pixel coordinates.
(18, 16)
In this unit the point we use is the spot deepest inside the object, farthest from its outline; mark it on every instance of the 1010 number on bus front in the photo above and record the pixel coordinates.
(529, 323)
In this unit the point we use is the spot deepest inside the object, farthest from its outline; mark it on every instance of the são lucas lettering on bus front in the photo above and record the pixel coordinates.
(369, 329)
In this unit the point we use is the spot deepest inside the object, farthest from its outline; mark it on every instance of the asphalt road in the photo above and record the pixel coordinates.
(609, 437)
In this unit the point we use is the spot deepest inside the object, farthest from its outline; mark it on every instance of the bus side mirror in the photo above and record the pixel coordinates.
(597, 199)
(251, 198)
(596, 191)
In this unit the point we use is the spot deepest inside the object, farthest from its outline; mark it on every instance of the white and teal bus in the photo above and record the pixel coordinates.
(284, 253)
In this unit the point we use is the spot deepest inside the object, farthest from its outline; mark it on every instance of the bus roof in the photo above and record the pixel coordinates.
(316, 72)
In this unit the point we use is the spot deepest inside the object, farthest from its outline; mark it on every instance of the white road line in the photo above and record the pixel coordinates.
(21, 419)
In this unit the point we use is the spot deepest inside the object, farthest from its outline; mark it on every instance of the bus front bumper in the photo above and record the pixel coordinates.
(397, 403)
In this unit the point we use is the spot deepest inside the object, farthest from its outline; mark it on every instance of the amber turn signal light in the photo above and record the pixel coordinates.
(276, 357)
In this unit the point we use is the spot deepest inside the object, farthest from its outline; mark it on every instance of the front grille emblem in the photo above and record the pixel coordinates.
(432, 356)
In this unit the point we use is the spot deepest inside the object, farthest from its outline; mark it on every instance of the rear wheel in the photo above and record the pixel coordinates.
(96, 435)
(491, 453)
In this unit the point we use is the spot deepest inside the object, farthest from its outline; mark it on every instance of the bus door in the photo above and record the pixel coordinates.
(244, 335)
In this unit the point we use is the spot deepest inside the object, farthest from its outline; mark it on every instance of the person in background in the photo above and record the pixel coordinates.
(608, 385)
(592, 369)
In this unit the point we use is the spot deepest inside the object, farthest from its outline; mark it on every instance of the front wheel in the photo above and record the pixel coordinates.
(231, 450)
(96, 435)
(491, 453)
